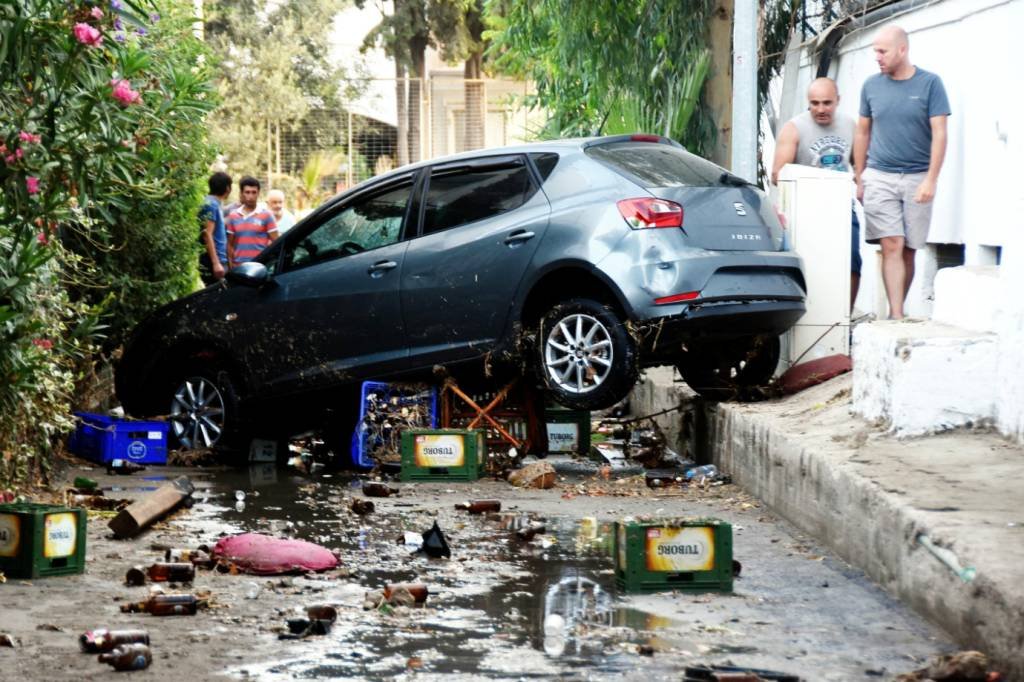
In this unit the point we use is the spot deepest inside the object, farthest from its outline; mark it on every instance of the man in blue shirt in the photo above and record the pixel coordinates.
(898, 151)
(213, 237)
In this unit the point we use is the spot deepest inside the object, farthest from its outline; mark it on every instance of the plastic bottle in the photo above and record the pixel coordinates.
(175, 573)
(128, 657)
(165, 605)
(100, 640)
(704, 471)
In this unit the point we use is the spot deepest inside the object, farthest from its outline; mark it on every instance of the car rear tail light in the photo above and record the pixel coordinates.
(677, 298)
(650, 212)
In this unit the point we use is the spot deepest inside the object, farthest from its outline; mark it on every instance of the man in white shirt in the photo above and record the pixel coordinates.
(284, 218)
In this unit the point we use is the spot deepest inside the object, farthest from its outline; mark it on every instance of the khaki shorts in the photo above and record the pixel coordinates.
(890, 209)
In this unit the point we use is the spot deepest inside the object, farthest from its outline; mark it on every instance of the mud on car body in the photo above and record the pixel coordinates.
(607, 255)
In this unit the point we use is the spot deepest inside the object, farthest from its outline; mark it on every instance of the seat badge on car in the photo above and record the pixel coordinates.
(740, 208)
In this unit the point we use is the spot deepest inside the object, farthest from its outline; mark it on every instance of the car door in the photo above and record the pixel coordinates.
(481, 221)
(339, 278)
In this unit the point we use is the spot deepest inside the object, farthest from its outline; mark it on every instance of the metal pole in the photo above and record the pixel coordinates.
(351, 162)
(270, 155)
(744, 90)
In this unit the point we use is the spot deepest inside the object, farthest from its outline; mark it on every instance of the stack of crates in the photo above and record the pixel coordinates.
(442, 454)
(381, 423)
(39, 540)
(658, 555)
(102, 439)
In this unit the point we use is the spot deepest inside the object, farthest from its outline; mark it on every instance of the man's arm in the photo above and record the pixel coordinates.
(861, 140)
(926, 190)
(211, 249)
(272, 230)
(785, 149)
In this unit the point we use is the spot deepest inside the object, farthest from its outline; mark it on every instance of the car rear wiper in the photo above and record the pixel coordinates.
(728, 178)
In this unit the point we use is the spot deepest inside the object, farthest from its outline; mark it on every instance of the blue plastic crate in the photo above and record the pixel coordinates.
(102, 439)
(406, 396)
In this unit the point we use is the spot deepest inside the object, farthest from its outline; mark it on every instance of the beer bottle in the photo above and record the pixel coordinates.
(123, 467)
(530, 532)
(418, 591)
(175, 573)
(480, 506)
(196, 557)
(96, 641)
(135, 576)
(362, 507)
(165, 605)
(374, 489)
(128, 657)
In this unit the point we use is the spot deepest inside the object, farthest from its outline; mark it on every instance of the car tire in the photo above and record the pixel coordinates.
(585, 357)
(738, 369)
(204, 411)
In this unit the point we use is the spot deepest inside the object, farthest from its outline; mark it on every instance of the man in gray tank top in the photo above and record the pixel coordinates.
(898, 152)
(823, 138)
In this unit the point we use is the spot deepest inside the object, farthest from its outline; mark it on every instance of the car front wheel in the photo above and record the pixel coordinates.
(587, 358)
(204, 410)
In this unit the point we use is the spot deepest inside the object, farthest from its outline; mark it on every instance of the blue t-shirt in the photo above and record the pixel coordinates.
(210, 210)
(900, 113)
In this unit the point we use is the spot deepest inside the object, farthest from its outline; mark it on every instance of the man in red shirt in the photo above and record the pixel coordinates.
(250, 228)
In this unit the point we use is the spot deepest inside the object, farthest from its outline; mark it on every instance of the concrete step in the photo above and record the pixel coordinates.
(920, 377)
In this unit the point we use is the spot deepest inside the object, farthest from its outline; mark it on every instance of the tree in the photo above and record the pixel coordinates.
(404, 35)
(274, 59)
(458, 27)
(610, 65)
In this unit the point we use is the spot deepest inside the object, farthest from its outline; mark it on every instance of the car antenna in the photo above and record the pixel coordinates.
(600, 127)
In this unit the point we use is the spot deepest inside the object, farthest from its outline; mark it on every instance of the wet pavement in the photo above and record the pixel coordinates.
(548, 608)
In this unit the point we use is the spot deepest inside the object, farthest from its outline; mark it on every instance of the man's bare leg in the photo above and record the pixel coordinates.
(894, 273)
(854, 288)
(908, 268)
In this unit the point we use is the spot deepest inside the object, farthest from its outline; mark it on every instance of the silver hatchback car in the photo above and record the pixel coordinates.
(582, 261)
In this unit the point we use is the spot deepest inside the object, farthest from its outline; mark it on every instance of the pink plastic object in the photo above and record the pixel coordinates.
(266, 555)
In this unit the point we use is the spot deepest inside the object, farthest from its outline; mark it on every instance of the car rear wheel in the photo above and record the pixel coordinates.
(204, 410)
(737, 369)
(587, 358)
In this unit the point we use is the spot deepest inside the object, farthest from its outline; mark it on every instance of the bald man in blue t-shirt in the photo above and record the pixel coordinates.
(898, 151)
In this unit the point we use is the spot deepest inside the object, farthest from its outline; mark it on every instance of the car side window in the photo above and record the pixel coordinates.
(362, 225)
(464, 196)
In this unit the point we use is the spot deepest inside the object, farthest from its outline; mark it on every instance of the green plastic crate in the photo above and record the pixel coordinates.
(568, 430)
(39, 540)
(442, 454)
(690, 555)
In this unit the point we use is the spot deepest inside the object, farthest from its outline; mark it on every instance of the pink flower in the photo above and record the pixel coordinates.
(42, 238)
(123, 93)
(45, 344)
(10, 158)
(18, 153)
(87, 35)
(96, 13)
(29, 137)
(32, 185)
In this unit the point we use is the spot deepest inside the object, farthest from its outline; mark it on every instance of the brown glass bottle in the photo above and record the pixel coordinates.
(418, 591)
(165, 605)
(530, 532)
(374, 489)
(123, 467)
(196, 557)
(135, 576)
(480, 506)
(175, 573)
(97, 641)
(128, 657)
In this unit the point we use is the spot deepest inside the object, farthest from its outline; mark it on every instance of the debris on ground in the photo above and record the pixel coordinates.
(375, 489)
(165, 605)
(435, 544)
(266, 555)
(536, 475)
(133, 519)
(100, 640)
(123, 467)
(6, 640)
(361, 507)
(128, 657)
(963, 666)
(479, 506)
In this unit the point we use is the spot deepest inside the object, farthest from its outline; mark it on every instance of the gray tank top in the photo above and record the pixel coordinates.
(824, 146)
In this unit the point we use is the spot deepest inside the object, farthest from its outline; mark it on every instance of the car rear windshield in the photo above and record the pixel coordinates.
(656, 165)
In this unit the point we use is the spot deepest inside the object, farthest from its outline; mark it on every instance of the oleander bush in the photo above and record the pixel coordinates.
(103, 156)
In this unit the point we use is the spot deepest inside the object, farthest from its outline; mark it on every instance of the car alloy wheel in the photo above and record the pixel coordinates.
(197, 413)
(578, 353)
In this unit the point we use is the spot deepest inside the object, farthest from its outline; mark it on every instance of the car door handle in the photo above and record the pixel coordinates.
(518, 238)
(380, 267)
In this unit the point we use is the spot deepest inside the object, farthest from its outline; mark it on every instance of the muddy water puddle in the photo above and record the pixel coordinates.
(500, 607)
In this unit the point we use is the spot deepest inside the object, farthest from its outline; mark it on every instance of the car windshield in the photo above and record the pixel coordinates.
(657, 165)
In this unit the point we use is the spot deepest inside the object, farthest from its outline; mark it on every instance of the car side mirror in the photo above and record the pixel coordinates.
(250, 274)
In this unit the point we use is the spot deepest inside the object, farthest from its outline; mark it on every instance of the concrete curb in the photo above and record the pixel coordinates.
(868, 495)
